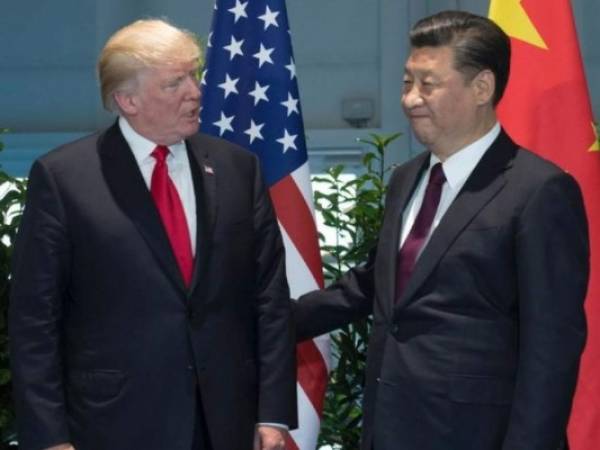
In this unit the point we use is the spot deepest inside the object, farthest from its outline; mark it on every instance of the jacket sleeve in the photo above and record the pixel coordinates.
(40, 270)
(351, 297)
(276, 345)
(348, 299)
(552, 251)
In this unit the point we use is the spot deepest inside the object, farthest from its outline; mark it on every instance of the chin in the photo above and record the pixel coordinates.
(192, 129)
(423, 138)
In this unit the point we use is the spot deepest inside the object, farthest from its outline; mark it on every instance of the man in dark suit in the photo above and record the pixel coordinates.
(149, 304)
(478, 280)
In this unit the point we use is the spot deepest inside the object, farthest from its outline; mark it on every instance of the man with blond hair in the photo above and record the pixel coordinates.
(149, 302)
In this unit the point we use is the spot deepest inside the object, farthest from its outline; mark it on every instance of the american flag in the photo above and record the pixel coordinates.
(250, 97)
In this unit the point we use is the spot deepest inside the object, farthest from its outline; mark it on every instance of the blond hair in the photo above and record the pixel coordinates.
(140, 45)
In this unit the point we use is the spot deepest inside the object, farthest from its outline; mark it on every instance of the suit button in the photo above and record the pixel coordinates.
(395, 329)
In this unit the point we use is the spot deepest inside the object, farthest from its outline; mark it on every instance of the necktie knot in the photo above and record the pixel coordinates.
(437, 174)
(160, 153)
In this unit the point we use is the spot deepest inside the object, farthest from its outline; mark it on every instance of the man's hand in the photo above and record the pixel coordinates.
(62, 447)
(269, 438)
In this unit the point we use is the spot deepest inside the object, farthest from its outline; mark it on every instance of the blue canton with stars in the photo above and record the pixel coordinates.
(249, 87)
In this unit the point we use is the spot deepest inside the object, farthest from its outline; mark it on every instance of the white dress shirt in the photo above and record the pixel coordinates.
(179, 171)
(457, 169)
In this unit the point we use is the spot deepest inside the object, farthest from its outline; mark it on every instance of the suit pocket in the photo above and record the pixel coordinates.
(480, 408)
(479, 238)
(412, 412)
(481, 390)
(97, 385)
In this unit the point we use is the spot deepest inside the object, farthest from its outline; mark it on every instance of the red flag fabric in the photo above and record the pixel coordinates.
(546, 108)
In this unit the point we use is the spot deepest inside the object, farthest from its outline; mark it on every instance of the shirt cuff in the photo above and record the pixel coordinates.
(274, 425)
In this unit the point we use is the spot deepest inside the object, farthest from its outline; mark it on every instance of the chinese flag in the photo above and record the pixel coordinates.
(546, 109)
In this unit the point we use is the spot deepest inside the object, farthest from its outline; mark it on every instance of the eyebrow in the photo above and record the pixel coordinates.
(422, 72)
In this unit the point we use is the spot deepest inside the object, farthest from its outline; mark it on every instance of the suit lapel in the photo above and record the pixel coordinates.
(125, 181)
(398, 196)
(204, 176)
(486, 180)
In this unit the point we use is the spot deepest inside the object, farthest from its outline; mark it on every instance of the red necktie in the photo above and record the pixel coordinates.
(171, 212)
(407, 256)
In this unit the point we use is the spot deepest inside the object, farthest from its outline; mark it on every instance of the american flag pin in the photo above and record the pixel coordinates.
(209, 170)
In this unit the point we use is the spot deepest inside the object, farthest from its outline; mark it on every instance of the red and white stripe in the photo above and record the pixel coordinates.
(292, 199)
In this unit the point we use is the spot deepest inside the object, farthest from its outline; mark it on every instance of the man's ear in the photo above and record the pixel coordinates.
(127, 102)
(484, 85)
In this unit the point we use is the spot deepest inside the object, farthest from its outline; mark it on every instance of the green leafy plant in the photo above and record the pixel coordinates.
(353, 208)
(12, 200)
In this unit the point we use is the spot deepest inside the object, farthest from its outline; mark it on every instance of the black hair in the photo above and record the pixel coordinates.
(478, 44)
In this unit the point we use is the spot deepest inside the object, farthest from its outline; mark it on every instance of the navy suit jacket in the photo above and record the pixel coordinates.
(109, 349)
(481, 352)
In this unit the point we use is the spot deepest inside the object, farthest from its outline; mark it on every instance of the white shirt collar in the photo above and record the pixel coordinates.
(459, 166)
(142, 147)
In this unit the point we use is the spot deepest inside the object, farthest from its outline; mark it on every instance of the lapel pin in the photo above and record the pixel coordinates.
(209, 170)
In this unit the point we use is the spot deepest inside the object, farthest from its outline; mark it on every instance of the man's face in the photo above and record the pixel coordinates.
(441, 105)
(167, 103)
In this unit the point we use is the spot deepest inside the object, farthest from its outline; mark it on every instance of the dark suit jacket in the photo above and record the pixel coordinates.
(109, 349)
(482, 350)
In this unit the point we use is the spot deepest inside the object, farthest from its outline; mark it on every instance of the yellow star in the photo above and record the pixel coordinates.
(513, 19)
(596, 145)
